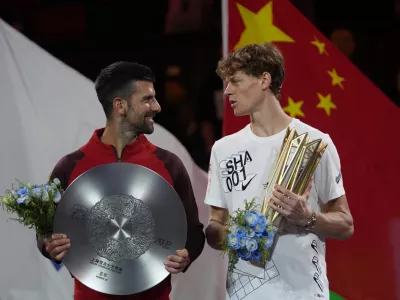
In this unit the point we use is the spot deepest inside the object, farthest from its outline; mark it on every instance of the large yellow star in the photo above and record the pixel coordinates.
(336, 79)
(326, 103)
(320, 46)
(294, 108)
(259, 27)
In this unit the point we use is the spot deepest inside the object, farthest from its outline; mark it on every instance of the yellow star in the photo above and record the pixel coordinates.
(259, 27)
(320, 46)
(294, 108)
(336, 79)
(326, 103)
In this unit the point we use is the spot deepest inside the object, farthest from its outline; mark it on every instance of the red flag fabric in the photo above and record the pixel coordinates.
(323, 89)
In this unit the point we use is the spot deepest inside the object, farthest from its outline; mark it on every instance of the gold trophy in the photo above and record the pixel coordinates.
(298, 158)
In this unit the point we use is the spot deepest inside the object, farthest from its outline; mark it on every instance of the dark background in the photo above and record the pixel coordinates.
(181, 41)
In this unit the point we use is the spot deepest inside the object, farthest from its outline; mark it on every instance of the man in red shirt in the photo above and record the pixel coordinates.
(126, 92)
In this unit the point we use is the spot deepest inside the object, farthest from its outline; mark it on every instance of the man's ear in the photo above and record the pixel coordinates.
(120, 106)
(265, 80)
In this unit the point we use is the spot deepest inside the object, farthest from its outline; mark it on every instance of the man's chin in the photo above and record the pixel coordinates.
(239, 113)
(148, 130)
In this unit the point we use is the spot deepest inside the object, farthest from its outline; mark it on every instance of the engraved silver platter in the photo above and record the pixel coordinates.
(123, 221)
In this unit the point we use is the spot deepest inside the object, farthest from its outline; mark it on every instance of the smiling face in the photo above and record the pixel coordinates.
(246, 92)
(138, 111)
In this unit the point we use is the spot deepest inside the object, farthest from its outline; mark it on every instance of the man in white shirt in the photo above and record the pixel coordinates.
(240, 166)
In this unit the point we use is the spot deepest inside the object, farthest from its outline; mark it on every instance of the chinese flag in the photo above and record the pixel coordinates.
(323, 89)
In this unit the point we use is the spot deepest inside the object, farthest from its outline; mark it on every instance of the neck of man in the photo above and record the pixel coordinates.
(269, 118)
(118, 134)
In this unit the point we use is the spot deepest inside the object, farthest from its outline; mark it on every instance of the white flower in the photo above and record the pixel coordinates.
(29, 185)
(37, 192)
(45, 196)
(23, 199)
(27, 200)
(57, 181)
(57, 197)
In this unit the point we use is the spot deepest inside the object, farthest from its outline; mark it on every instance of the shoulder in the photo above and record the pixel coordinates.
(64, 167)
(170, 159)
(69, 159)
(313, 132)
(230, 141)
(331, 151)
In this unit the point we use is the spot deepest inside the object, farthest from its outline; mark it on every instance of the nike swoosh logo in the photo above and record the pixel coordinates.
(314, 246)
(244, 186)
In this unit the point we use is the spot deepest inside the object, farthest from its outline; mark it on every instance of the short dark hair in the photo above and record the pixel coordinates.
(118, 80)
(254, 60)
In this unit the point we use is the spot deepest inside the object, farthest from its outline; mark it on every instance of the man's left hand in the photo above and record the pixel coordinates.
(176, 263)
(293, 207)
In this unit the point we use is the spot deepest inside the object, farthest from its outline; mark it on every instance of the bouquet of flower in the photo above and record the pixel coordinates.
(249, 236)
(34, 205)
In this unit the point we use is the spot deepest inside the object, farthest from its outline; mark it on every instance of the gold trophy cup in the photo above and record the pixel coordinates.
(298, 158)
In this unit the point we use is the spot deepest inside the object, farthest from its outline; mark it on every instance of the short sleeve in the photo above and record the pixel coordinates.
(60, 173)
(328, 178)
(214, 195)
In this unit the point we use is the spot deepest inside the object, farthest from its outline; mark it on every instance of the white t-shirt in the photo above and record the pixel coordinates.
(240, 167)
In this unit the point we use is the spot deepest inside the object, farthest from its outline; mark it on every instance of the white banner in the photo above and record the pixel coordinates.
(46, 111)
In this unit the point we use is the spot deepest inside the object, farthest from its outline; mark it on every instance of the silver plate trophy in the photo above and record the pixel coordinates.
(123, 221)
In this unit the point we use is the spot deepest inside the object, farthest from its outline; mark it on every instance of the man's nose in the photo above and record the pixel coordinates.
(228, 90)
(156, 106)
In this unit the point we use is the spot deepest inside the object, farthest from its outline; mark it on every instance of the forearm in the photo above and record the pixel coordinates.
(336, 225)
(195, 242)
(215, 235)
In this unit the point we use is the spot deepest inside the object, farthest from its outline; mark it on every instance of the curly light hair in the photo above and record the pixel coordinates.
(254, 60)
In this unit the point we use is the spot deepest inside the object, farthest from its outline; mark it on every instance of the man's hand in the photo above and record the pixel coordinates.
(293, 207)
(176, 263)
(57, 246)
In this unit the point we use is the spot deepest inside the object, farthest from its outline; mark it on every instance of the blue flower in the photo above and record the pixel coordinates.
(244, 254)
(250, 233)
(265, 233)
(251, 219)
(240, 231)
(268, 233)
(22, 192)
(268, 243)
(256, 255)
(233, 241)
(259, 229)
(242, 241)
(251, 245)
(262, 220)
(24, 199)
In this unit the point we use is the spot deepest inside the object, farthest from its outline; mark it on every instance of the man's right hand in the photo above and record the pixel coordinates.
(57, 246)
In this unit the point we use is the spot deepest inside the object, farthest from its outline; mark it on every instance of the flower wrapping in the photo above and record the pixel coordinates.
(33, 205)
